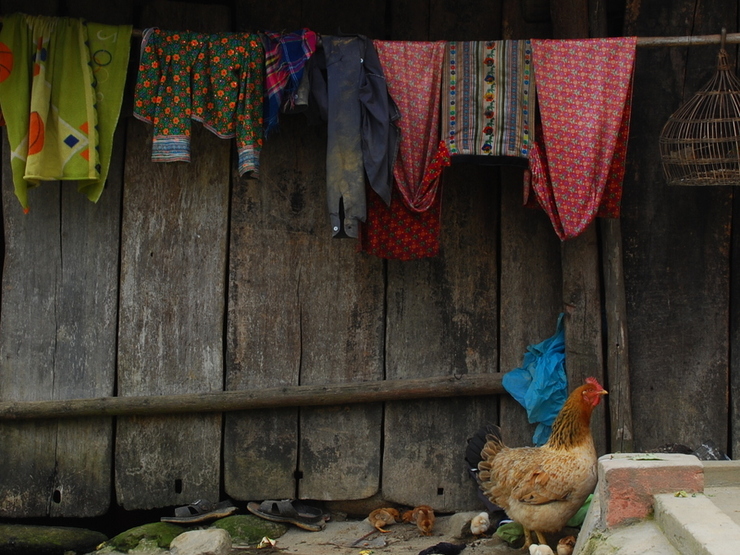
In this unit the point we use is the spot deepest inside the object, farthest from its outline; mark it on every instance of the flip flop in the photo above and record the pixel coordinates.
(200, 511)
(292, 511)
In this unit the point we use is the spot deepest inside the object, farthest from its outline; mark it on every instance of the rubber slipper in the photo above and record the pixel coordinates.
(292, 511)
(200, 511)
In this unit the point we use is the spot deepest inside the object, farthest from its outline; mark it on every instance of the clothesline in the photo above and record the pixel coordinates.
(698, 40)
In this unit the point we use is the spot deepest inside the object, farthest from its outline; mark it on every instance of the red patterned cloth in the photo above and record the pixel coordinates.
(397, 232)
(409, 228)
(584, 88)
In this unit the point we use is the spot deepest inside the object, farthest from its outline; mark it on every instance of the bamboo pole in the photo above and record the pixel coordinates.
(699, 40)
(276, 397)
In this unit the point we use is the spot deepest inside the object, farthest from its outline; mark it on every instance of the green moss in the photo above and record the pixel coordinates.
(250, 529)
(52, 540)
(162, 533)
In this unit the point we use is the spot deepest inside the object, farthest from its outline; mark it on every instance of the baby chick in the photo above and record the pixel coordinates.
(566, 545)
(480, 524)
(383, 517)
(541, 549)
(423, 516)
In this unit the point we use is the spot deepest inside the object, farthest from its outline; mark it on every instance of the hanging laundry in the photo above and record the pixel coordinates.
(409, 228)
(61, 90)
(286, 55)
(397, 232)
(577, 163)
(489, 96)
(349, 93)
(216, 79)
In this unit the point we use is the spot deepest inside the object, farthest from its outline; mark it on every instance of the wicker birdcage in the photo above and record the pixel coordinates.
(700, 143)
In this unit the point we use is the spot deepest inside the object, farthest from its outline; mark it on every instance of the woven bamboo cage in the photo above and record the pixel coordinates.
(700, 142)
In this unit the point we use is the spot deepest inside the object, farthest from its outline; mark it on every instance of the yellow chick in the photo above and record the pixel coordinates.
(423, 516)
(541, 549)
(480, 524)
(566, 545)
(383, 517)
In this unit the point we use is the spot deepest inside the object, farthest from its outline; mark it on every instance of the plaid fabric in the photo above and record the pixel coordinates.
(286, 55)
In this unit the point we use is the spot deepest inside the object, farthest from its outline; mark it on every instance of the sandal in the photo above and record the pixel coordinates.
(292, 511)
(200, 511)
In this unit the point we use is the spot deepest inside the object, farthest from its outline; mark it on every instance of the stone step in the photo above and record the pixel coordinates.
(695, 525)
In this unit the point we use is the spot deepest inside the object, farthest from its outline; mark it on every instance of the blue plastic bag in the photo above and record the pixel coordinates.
(540, 385)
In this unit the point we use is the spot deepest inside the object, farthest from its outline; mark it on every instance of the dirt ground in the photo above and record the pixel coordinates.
(358, 537)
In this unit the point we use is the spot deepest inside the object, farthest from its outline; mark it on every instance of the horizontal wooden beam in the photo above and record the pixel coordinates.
(277, 397)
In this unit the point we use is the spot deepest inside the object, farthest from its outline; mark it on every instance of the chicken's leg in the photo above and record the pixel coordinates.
(540, 537)
(527, 538)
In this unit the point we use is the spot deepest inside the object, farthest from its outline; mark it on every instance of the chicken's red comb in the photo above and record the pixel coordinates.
(593, 381)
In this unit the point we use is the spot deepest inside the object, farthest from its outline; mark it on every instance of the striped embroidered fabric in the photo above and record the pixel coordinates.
(489, 98)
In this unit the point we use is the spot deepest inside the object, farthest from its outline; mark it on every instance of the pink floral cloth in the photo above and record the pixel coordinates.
(409, 228)
(584, 88)
(413, 72)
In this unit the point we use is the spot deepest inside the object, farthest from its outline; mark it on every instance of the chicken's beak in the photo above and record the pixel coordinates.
(602, 392)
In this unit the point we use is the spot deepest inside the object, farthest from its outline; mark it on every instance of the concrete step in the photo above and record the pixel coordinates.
(695, 525)
(671, 504)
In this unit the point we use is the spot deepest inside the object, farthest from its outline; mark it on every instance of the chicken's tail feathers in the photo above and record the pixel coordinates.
(474, 457)
(476, 444)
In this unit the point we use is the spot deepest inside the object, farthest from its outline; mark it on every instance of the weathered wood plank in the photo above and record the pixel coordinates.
(676, 246)
(445, 310)
(341, 18)
(583, 333)
(173, 264)
(62, 306)
(409, 20)
(531, 275)
(31, 271)
(257, 15)
(453, 20)
(617, 350)
(40, 7)
(580, 263)
(531, 292)
(615, 304)
(295, 295)
(443, 313)
(170, 336)
(734, 444)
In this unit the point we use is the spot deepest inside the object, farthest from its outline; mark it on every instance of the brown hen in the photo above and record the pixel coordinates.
(541, 488)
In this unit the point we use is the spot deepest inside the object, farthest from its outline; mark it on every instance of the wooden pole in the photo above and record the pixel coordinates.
(731, 38)
(288, 396)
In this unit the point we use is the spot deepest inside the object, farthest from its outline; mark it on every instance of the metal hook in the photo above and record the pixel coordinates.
(724, 38)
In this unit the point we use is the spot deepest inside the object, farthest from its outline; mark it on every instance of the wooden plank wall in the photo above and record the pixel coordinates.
(187, 278)
(677, 245)
(58, 337)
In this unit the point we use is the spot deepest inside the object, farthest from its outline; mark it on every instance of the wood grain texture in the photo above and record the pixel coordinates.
(580, 264)
(172, 306)
(531, 292)
(60, 289)
(676, 246)
(173, 279)
(443, 314)
(74, 304)
(303, 309)
(341, 18)
(531, 274)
